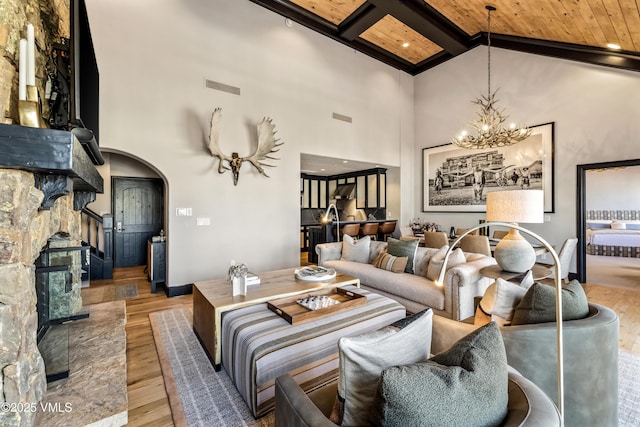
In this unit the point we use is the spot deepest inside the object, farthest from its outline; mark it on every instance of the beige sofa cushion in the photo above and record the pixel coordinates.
(412, 287)
(355, 250)
(435, 264)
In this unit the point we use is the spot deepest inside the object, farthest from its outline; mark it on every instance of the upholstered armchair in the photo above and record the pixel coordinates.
(590, 361)
(528, 405)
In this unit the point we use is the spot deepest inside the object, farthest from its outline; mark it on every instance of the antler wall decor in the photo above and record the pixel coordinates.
(267, 143)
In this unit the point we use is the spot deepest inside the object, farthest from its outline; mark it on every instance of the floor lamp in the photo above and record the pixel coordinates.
(326, 220)
(558, 285)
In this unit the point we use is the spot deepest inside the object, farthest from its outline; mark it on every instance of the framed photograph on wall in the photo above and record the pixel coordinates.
(455, 179)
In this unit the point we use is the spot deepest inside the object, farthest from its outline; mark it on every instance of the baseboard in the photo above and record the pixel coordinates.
(175, 291)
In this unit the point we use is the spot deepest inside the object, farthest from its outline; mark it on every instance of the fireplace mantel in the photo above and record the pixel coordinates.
(56, 157)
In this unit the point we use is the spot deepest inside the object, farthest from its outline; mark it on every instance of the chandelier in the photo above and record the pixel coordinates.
(489, 123)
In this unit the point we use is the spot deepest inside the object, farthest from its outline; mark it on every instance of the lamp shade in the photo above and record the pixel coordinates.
(519, 206)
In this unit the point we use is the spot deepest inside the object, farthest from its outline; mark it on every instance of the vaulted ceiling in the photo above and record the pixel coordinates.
(415, 35)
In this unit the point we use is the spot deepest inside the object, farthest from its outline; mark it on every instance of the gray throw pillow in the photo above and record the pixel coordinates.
(363, 357)
(402, 248)
(466, 385)
(538, 305)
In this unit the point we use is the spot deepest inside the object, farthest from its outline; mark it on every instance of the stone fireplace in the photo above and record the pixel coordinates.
(40, 200)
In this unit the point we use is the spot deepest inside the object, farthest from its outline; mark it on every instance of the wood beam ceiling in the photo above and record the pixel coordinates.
(350, 27)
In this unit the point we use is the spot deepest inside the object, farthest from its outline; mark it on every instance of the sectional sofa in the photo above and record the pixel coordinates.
(454, 299)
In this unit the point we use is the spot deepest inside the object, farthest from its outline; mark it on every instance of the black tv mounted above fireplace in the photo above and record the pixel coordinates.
(85, 78)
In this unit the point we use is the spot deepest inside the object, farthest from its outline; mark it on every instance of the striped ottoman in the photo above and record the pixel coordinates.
(258, 346)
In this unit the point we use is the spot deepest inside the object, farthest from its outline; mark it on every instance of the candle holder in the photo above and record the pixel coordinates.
(29, 109)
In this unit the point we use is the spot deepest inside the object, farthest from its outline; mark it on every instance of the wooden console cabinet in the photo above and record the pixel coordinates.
(156, 263)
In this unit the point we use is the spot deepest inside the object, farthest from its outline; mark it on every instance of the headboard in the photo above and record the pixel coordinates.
(603, 218)
(621, 215)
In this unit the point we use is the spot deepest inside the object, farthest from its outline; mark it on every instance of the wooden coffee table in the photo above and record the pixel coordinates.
(213, 297)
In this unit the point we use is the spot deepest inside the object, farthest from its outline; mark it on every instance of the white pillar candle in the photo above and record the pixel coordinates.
(22, 71)
(31, 56)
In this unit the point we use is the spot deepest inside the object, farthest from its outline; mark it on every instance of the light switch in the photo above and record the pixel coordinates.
(184, 212)
(203, 221)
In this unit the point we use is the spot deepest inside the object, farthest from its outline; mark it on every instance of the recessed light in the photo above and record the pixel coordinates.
(345, 161)
(613, 46)
(405, 44)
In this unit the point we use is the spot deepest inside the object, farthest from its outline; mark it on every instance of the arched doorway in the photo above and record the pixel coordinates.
(124, 167)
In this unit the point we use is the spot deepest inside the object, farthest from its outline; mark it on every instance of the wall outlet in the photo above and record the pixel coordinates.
(203, 221)
(547, 218)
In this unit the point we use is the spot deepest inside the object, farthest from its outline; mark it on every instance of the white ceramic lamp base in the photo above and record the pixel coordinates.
(514, 253)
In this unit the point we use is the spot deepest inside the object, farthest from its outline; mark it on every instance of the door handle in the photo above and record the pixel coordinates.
(119, 228)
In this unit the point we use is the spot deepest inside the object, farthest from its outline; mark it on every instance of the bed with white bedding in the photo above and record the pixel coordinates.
(613, 233)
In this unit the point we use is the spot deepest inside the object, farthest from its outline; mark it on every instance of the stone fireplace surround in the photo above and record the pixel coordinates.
(46, 179)
(24, 231)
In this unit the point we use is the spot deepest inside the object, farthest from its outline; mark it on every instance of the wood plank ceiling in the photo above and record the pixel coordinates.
(415, 35)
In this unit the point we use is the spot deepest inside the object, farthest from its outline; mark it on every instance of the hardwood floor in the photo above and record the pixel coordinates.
(148, 402)
(625, 303)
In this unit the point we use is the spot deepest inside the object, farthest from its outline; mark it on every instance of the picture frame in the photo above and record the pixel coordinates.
(451, 181)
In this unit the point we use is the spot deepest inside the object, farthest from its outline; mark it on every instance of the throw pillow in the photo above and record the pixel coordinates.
(386, 261)
(538, 305)
(436, 261)
(355, 250)
(363, 357)
(617, 225)
(500, 301)
(466, 385)
(406, 248)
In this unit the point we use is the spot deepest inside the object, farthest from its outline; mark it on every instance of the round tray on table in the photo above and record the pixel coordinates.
(315, 274)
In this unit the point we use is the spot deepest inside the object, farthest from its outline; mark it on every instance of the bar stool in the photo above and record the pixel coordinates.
(350, 230)
(386, 229)
(369, 229)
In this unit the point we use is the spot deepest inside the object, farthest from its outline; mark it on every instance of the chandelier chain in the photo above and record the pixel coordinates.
(489, 52)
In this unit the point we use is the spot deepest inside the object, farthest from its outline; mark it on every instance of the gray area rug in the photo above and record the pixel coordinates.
(629, 389)
(129, 290)
(199, 396)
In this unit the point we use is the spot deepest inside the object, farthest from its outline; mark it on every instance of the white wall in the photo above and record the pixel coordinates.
(595, 110)
(153, 57)
(613, 189)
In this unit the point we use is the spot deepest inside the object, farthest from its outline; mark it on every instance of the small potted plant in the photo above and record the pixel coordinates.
(237, 274)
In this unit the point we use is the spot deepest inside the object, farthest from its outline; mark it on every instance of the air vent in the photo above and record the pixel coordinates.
(221, 87)
(342, 117)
